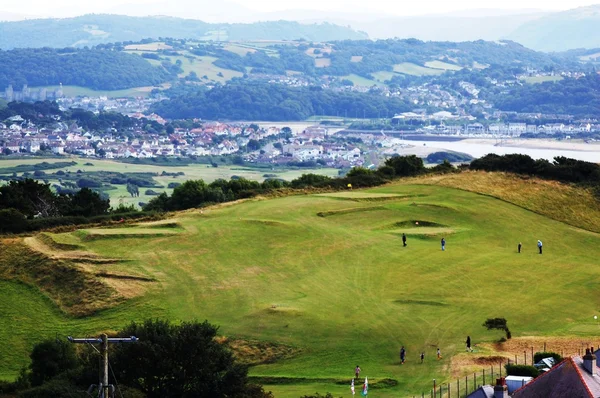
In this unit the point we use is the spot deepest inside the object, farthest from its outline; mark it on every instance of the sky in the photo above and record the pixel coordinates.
(62, 8)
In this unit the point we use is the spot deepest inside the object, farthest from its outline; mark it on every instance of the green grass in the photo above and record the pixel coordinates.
(361, 81)
(442, 65)
(382, 76)
(341, 288)
(541, 79)
(75, 91)
(409, 68)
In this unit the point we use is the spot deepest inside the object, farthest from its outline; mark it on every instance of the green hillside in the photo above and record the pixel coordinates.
(326, 274)
(90, 30)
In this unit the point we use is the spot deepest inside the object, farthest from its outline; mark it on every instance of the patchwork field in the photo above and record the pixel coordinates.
(191, 172)
(326, 275)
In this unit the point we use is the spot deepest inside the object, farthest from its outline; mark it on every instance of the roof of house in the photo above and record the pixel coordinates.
(482, 392)
(567, 379)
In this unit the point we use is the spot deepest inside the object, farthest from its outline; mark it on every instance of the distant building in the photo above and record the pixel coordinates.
(28, 94)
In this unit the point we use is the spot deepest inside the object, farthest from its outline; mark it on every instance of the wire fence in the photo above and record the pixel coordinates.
(462, 387)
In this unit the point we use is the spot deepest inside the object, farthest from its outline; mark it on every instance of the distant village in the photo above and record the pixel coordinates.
(212, 139)
(317, 143)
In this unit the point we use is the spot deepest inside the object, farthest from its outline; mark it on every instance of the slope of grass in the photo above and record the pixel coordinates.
(409, 68)
(361, 81)
(541, 79)
(569, 204)
(442, 65)
(343, 291)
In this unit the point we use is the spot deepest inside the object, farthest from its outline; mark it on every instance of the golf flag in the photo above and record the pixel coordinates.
(365, 390)
(352, 387)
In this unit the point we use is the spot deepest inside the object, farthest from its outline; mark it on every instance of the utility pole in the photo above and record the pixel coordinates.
(105, 390)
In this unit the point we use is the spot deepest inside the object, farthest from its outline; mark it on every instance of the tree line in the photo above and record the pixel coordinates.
(240, 100)
(30, 205)
(579, 97)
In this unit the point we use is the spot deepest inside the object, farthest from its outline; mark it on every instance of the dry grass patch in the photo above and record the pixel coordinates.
(570, 204)
(564, 346)
(254, 352)
(322, 62)
(74, 291)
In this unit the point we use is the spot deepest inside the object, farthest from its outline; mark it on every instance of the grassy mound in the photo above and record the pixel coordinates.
(75, 292)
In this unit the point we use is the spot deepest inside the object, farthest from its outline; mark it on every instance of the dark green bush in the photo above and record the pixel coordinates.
(521, 370)
(12, 221)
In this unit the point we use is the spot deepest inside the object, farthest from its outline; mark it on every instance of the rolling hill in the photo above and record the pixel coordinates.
(326, 275)
(90, 30)
(561, 31)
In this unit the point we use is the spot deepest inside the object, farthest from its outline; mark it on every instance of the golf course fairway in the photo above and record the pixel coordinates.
(324, 282)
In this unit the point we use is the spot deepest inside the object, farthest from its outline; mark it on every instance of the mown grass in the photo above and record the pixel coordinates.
(342, 291)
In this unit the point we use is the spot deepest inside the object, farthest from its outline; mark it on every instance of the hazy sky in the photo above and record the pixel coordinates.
(61, 8)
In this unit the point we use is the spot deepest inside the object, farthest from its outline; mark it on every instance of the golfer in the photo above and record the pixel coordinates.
(443, 244)
(356, 371)
(404, 240)
(402, 355)
(519, 247)
(422, 356)
(469, 344)
(539, 244)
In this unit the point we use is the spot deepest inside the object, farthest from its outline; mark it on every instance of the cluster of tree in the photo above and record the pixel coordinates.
(29, 205)
(93, 68)
(22, 201)
(169, 360)
(241, 100)
(580, 97)
(383, 54)
(193, 194)
(453, 157)
(561, 169)
(37, 167)
(196, 193)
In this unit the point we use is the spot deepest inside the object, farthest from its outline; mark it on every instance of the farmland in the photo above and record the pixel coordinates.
(327, 275)
(118, 194)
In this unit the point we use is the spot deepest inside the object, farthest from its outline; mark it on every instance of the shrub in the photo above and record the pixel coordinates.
(521, 370)
(12, 221)
(405, 166)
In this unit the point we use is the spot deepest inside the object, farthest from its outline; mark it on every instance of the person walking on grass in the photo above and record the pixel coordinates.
(404, 240)
(439, 354)
(519, 247)
(443, 244)
(422, 356)
(469, 344)
(356, 371)
(539, 244)
(402, 355)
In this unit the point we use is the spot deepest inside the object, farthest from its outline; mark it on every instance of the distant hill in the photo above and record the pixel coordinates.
(91, 68)
(577, 28)
(90, 30)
